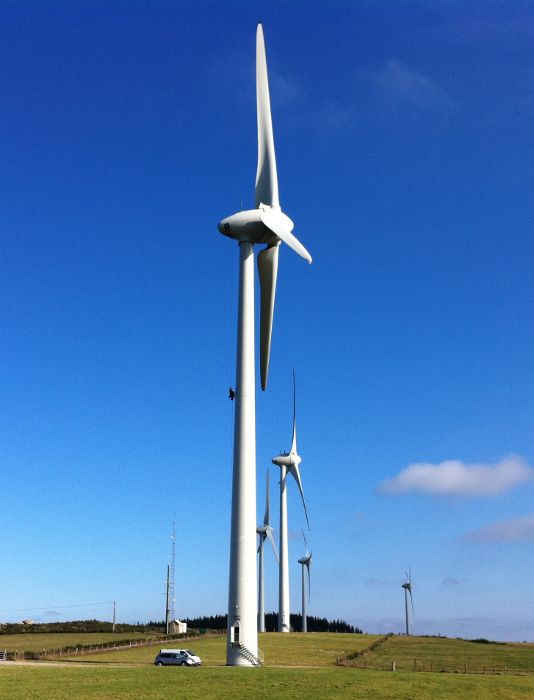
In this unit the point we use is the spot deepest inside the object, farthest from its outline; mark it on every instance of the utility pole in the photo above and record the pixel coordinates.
(114, 615)
(167, 611)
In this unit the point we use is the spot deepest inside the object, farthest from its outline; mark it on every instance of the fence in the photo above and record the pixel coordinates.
(435, 667)
(82, 649)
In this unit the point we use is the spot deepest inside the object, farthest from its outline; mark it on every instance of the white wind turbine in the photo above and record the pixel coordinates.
(289, 464)
(264, 224)
(305, 561)
(408, 589)
(265, 531)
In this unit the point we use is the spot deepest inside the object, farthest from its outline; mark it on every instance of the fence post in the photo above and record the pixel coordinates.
(393, 666)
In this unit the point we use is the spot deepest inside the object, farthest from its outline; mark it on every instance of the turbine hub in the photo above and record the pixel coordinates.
(287, 460)
(247, 226)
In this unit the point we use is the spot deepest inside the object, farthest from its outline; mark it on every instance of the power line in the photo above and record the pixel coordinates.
(58, 607)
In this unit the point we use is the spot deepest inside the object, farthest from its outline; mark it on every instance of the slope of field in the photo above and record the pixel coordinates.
(313, 649)
(454, 655)
(55, 640)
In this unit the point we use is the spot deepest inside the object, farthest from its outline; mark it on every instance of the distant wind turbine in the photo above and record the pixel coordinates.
(408, 589)
(264, 224)
(265, 531)
(305, 561)
(289, 464)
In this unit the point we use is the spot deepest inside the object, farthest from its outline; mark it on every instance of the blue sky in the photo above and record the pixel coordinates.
(404, 138)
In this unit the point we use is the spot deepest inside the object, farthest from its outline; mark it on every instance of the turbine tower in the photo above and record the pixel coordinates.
(305, 561)
(289, 464)
(269, 225)
(265, 531)
(408, 589)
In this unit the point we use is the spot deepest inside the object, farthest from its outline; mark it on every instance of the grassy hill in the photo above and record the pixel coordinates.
(315, 649)
(444, 654)
(40, 645)
(297, 666)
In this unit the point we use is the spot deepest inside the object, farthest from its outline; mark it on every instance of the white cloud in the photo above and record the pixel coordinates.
(454, 478)
(375, 582)
(409, 85)
(513, 530)
(284, 90)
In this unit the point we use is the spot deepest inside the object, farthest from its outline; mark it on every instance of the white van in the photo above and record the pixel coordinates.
(177, 657)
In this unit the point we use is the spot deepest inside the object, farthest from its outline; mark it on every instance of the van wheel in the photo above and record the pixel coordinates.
(159, 663)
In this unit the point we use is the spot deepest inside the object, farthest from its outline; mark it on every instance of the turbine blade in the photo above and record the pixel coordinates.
(266, 177)
(411, 601)
(280, 224)
(271, 540)
(268, 271)
(305, 543)
(294, 471)
(294, 441)
(309, 581)
(266, 516)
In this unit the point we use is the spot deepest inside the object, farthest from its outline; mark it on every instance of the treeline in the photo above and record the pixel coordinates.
(74, 626)
(210, 622)
(315, 624)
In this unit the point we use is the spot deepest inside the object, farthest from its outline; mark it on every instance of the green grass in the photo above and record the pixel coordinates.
(212, 651)
(297, 666)
(38, 682)
(437, 653)
(313, 649)
(55, 640)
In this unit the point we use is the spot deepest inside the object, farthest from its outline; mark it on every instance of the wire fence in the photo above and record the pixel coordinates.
(423, 665)
(103, 647)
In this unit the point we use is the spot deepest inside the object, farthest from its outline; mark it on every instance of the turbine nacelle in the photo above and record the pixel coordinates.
(250, 225)
(287, 459)
(263, 530)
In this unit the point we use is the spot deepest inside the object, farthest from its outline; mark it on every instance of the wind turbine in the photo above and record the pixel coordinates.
(408, 589)
(289, 464)
(264, 224)
(305, 561)
(265, 531)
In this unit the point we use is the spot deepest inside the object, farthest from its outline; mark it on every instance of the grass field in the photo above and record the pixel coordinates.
(314, 649)
(437, 653)
(40, 641)
(297, 666)
(38, 682)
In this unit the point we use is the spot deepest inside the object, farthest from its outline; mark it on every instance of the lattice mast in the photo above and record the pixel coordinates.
(172, 599)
